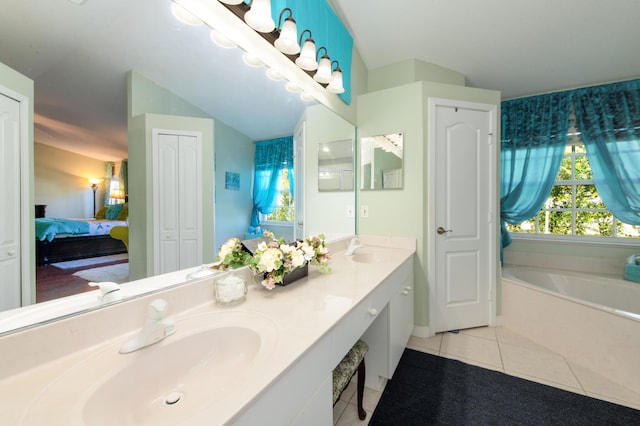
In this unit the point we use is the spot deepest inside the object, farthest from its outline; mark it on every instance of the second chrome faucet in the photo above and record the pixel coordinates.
(353, 245)
(155, 328)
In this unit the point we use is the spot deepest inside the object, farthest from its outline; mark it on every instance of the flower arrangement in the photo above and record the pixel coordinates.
(232, 255)
(274, 258)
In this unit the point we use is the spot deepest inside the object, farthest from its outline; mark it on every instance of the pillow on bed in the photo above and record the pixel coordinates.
(113, 211)
(102, 212)
(124, 213)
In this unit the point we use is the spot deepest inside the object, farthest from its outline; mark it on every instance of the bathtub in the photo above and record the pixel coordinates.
(591, 320)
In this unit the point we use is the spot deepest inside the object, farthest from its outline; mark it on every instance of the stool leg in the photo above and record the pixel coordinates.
(361, 376)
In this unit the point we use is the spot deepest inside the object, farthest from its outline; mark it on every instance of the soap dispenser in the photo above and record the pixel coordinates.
(109, 291)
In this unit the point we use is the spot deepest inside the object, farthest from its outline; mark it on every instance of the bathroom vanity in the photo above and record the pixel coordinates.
(266, 360)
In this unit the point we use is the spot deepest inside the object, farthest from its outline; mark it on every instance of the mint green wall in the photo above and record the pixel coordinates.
(399, 212)
(16, 82)
(405, 212)
(325, 212)
(234, 153)
(410, 71)
(148, 97)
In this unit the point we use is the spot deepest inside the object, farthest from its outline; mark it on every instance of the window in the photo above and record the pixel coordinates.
(574, 207)
(285, 210)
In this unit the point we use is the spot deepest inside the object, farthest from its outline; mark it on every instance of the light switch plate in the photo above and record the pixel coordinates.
(350, 212)
(364, 211)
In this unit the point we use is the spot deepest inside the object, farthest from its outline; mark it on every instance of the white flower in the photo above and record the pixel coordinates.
(270, 259)
(297, 258)
(308, 251)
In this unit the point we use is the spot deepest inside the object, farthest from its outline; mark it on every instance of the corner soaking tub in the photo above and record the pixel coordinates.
(591, 320)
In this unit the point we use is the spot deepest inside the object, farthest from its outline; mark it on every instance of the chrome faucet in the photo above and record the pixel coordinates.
(155, 328)
(353, 245)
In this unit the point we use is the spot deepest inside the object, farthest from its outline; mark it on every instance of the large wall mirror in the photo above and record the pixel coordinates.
(241, 110)
(381, 161)
(335, 166)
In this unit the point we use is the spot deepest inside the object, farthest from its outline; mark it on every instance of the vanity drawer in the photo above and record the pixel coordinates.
(356, 322)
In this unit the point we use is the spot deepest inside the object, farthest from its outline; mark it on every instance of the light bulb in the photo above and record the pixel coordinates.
(307, 58)
(287, 43)
(324, 71)
(184, 16)
(259, 16)
(336, 82)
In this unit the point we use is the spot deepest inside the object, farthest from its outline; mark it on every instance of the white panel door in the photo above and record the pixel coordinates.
(177, 201)
(10, 211)
(463, 188)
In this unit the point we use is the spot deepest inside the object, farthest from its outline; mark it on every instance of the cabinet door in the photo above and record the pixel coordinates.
(400, 317)
(10, 210)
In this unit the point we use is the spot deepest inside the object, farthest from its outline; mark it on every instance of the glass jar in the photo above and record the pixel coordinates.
(230, 289)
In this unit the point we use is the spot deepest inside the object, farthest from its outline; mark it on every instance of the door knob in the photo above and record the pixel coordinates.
(441, 230)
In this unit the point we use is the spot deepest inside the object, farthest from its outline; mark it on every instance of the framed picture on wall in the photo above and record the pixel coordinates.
(232, 181)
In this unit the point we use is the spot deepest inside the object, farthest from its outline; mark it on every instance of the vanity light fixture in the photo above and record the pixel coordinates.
(287, 42)
(307, 58)
(336, 85)
(252, 60)
(234, 20)
(259, 16)
(274, 75)
(222, 40)
(307, 97)
(323, 75)
(183, 15)
(293, 87)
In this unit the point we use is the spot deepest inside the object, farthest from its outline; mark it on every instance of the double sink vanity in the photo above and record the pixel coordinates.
(267, 360)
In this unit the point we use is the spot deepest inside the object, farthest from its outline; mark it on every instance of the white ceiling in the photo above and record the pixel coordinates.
(78, 56)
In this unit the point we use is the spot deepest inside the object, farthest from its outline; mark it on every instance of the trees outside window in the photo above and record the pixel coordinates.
(284, 212)
(574, 207)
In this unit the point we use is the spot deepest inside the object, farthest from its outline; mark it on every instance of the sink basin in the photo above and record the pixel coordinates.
(368, 255)
(164, 383)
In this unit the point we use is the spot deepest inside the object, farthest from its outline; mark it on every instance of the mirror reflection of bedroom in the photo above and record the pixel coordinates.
(81, 222)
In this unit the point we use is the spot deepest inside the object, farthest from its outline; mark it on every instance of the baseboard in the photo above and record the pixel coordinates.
(422, 331)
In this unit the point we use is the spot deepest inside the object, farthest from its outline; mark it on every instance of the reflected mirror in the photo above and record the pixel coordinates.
(381, 161)
(176, 60)
(335, 166)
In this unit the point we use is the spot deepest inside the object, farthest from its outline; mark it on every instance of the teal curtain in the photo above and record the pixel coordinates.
(327, 30)
(124, 177)
(534, 134)
(271, 156)
(608, 118)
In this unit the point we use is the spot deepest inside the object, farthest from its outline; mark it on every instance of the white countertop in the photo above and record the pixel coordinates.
(303, 312)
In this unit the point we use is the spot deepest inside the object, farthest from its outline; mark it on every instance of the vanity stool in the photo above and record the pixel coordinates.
(352, 363)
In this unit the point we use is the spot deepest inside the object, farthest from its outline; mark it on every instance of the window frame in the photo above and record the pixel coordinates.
(264, 218)
(574, 210)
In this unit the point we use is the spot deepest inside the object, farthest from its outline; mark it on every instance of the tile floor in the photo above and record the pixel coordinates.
(500, 349)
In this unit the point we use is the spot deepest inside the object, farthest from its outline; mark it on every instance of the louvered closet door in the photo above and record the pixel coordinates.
(178, 206)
